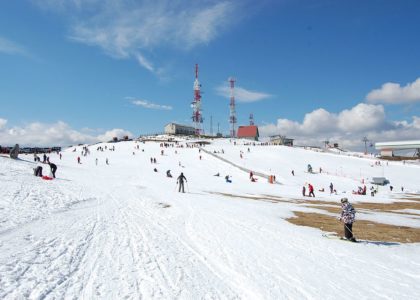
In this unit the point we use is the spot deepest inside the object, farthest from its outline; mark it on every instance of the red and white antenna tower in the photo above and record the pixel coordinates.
(251, 119)
(196, 104)
(232, 116)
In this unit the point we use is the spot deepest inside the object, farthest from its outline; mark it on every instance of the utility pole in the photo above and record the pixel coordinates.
(365, 140)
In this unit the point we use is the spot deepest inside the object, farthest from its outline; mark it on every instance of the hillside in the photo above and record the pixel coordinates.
(123, 231)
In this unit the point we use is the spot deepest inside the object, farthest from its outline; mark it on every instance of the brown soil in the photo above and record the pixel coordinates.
(365, 230)
(362, 229)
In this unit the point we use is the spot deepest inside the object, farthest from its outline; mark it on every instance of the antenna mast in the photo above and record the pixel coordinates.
(196, 104)
(251, 119)
(232, 117)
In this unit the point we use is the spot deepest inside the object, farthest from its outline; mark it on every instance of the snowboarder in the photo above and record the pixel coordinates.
(293, 172)
(391, 187)
(347, 217)
(180, 181)
(304, 191)
(155, 170)
(106, 161)
(331, 188)
(218, 174)
(168, 174)
(78, 160)
(228, 180)
(251, 175)
(53, 168)
(311, 190)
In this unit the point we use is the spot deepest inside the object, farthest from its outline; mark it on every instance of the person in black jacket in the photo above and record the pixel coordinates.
(53, 168)
(180, 180)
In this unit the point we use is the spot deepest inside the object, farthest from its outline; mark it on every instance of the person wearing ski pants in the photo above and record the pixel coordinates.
(180, 180)
(347, 217)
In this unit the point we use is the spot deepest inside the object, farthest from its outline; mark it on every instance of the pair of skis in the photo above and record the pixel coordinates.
(333, 236)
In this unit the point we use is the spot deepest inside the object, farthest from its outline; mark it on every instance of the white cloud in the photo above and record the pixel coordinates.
(55, 134)
(347, 127)
(395, 93)
(110, 134)
(3, 123)
(150, 105)
(241, 94)
(9, 47)
(125, 28)
(362, 117)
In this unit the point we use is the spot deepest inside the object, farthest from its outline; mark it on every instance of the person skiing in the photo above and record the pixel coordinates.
(180, 180)
(347, 217)
(331, 188)
(53, 168)
(311, 190)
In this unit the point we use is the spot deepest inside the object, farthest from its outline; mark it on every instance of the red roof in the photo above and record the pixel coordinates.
(248, 131)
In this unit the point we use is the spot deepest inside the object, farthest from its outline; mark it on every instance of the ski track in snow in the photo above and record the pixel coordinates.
(99, 232)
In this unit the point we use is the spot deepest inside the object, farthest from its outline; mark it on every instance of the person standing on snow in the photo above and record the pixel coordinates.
(311, 190)
(331, 188)
(347, 217)
(180, 180)
(53, 168)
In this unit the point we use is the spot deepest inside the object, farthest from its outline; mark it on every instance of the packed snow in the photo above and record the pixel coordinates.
(121, 230)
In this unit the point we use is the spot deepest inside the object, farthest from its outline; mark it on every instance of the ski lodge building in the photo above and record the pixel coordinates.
(388, 148)
(281, 140)
(178, 129)
(248, 132)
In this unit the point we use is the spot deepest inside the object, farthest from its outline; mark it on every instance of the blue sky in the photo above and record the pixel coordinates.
(82, 70)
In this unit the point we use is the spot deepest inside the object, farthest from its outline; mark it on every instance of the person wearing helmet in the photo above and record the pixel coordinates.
(347, 217)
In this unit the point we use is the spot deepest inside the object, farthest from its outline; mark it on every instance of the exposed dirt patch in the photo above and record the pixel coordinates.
(363, 229)
(394, 207)
(366, 230)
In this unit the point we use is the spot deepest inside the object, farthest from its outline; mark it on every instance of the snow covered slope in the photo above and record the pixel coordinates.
(122, 231)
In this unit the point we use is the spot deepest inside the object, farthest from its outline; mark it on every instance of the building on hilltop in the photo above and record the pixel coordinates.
(281, 140)
(248, 132)
(178, 129)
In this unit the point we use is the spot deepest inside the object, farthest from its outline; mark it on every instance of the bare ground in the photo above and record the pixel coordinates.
(362, 229)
